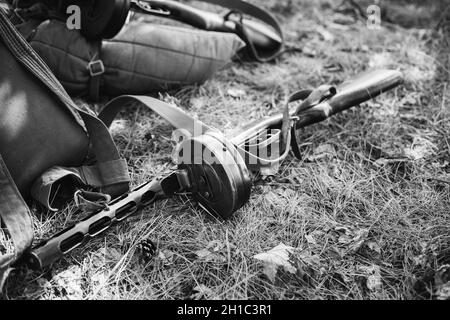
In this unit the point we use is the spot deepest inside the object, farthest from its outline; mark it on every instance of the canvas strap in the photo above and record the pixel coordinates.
(96, 70)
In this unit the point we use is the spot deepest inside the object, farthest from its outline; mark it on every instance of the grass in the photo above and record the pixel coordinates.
(367, 207)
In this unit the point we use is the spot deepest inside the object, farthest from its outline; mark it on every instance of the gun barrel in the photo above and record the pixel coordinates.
(67, 240)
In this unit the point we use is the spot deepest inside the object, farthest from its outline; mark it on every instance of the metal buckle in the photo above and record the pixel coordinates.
(150, 9)
(96, 68)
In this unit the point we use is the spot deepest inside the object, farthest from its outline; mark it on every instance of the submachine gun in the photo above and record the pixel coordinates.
(214, 169)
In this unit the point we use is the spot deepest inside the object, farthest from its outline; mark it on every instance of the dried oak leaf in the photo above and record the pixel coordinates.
(278, 257)
(373, 277)
(214, 252)
(202, 292)
(442, 281)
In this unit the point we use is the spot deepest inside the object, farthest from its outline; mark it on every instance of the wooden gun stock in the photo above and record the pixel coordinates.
(351, 93)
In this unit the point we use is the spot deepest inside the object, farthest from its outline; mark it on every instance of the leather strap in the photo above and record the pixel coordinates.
(260, 14)
(175, 116)
(310, 99)
(96, 70)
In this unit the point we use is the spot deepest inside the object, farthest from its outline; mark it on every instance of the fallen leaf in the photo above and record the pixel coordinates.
(443, 292)
(373, 281)
(326, 35)
(381, 60)
(409, 99)
(352, 239)
(442, 274)
(236, 93)
(343, 19)
(43, 283)
(420, 260)
(198, 103)
(308, 264)
(338, 26)
(322, 151)
(372, 245)
(442, 282)
(344, 239)
(104, 256)
(359, 239)
(166, 257)
(201, 292)
(120, 127)
(202, 253)
(278, 257)
(334, 67)
(67, 284)
(421, 148)
(99, 281)
(214, 252)
(215, 245)
(310, 239)
(309, 52)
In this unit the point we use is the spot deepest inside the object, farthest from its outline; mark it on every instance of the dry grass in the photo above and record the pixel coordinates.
(370, 200)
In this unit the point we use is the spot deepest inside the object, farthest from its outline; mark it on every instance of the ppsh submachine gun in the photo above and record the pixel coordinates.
(103, 19)
(215, 169)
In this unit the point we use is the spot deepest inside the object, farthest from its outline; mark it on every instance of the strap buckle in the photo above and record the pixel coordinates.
(96, 68)
(145, 7)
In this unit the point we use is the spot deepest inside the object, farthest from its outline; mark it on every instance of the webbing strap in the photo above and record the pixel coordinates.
(174, 115)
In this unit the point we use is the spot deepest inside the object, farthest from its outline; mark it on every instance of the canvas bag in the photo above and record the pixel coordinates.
(142, 58)
(47, 143)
